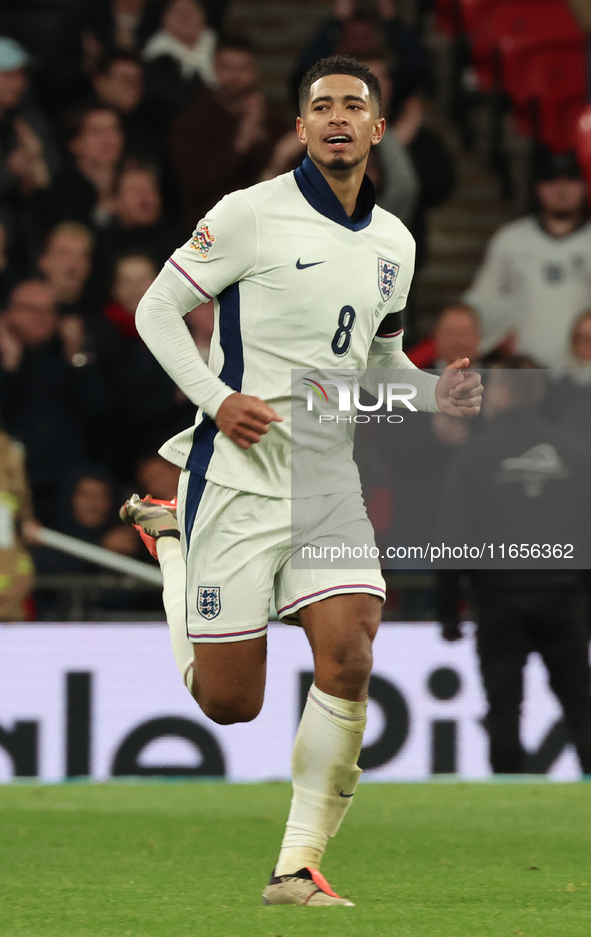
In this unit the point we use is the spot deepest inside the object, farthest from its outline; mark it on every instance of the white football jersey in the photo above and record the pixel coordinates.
(297, 284)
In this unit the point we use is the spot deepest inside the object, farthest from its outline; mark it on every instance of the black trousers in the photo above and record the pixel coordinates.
(511, 624)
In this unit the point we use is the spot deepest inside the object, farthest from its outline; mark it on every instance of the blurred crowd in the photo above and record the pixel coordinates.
(138, 118)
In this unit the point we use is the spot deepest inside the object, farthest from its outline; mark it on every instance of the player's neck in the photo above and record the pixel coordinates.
(344, 183)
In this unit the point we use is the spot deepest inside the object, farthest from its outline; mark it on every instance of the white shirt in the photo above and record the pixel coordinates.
(193, 60)
(297, 285)
(534, 286)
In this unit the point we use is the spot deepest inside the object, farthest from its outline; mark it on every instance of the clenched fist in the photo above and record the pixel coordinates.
(245, 419)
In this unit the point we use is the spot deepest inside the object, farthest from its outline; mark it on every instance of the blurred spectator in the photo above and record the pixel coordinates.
(150, 406)
(137, 224)
(239, 136)
(536, 276)
(180, 55)
(132, 277)
(456, 335)
(16, 512)
(580, 346)
(50, 390)
(157, 477)
(569, 402)
(390, 168)
(523, 479)
(87, 510)
(433, 165)
(91, 29)
(118, 83)
(84, 192)
(10, 271)
(216, 11)
(351, 31)
(65, 264)
(27, 151)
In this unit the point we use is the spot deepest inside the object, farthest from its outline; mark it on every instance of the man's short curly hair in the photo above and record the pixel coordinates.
(339, 65)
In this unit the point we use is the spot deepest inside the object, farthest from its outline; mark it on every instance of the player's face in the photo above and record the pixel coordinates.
(340, 123)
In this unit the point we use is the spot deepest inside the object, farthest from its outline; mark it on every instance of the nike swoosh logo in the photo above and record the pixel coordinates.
(301, 266)
(342, 794)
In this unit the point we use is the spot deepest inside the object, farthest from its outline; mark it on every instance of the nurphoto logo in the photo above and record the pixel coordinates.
(391, 394)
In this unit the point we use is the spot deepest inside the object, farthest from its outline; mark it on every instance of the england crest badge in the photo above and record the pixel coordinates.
(208, 602)
(387, 273)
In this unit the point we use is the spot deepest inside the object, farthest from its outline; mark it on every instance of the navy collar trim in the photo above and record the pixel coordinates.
(319, 194)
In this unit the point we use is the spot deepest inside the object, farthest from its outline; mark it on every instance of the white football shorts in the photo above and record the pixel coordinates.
(239, 546)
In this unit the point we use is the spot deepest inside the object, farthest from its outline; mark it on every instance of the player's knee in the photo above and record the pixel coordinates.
(227, 711)
(350, 665)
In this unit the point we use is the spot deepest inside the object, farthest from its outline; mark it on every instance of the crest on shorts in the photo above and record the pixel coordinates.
(387, 273)
(202, 240)
(208, 602)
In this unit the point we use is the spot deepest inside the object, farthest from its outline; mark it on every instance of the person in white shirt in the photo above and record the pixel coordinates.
(186, 38)
(307, 273)
(536, 276)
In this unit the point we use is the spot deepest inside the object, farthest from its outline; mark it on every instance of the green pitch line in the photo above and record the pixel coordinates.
(190, 860)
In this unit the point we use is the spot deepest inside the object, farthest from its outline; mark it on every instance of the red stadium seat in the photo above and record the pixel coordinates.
(549, 71)
(449, 17)
(494, 21)
(556, 81)
(477, 12)
(522, 56)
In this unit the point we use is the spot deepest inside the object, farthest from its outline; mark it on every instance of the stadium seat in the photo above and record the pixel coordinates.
(449, 19)
(475, 13)
(522, 56)
(552, 75)
(556, 83)
(492, 22)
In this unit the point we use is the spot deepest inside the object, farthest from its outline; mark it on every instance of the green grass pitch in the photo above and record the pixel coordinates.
(180, 859)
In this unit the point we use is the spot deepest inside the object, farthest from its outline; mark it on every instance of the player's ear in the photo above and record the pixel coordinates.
(301, 130)
(379, 128)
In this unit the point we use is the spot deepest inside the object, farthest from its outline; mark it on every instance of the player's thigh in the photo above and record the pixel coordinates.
(232, 550)
(229, 679)
(333, 552)
(337, 599)
(232, 541)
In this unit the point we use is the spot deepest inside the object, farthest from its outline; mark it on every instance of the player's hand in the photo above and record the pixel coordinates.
(245, 419)
(459, 392)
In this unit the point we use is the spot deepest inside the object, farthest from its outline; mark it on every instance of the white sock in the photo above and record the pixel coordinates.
(324, 769)
(174, 573)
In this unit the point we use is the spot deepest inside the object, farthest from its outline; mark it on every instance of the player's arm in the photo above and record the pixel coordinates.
(457, 392)
(194, 274)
